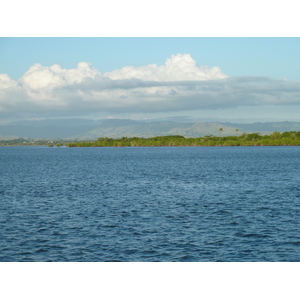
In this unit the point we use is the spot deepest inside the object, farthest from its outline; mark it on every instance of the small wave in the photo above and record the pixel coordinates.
(41, 250)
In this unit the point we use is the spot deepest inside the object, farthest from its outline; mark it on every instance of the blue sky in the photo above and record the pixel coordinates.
(276, 58)
(201, 78)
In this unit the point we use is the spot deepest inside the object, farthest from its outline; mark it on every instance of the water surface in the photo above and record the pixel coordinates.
(150, 204)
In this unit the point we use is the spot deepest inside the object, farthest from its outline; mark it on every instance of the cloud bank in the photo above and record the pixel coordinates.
(179, 84)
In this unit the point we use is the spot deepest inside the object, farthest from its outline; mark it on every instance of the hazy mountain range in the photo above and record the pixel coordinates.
(115, 128)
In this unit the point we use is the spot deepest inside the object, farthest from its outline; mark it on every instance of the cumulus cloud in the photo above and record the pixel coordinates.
(179, 67)
(6, 82)
(39, 77)
(179, 84)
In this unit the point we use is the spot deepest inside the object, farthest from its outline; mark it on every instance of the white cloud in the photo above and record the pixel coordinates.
(179, 84)
(39, 77)
(179, 67)
(6, 82)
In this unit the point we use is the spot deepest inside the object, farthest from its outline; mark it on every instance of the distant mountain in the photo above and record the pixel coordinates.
(43, 131)
(74, 122)
(129, 128)
(51, 128)
(116, 128)
(119, 128)
(267, 127)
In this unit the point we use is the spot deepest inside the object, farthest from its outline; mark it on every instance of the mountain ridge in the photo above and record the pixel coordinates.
(117, 128)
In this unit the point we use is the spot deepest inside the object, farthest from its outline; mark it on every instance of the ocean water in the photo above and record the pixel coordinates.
(150, 204)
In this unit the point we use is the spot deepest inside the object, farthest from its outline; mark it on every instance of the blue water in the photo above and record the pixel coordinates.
(150, 204)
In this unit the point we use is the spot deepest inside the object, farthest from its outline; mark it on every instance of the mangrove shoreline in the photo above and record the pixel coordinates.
(291, 138)
(288, 138)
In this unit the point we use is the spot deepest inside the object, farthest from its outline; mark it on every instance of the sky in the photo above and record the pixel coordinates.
(214, 61)
(144, 78)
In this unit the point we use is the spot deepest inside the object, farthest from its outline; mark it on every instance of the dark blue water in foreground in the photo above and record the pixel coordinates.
(150, 204)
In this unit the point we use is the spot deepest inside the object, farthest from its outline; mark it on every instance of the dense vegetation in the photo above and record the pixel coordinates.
(288, 138)
(291, 138)
(31, 142)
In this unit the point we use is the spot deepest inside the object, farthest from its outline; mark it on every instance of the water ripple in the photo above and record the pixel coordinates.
(150, 204)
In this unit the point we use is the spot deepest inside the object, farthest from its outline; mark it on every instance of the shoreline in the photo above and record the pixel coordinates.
(288, 138)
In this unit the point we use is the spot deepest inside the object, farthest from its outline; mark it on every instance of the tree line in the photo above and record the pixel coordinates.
(288, 138)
